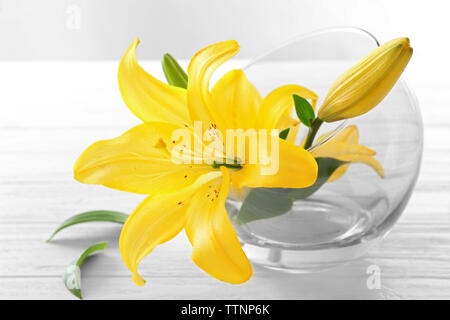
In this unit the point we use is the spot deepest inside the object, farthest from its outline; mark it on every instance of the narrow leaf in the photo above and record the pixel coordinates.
(89, 216)
(283, 134)
(304, 110)
(326, 168)
(175, 75)
(72, 274)
(263, 203)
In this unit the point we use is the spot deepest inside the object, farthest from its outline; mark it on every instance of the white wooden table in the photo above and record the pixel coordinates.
(49, 112)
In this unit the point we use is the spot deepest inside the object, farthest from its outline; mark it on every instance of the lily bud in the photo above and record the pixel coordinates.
(363, 86)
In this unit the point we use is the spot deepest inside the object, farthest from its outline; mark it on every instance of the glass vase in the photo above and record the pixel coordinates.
(342, 219)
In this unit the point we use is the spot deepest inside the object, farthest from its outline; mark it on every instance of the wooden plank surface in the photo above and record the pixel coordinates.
(51, 111)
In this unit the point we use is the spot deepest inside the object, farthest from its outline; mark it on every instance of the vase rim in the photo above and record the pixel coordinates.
(302, 36)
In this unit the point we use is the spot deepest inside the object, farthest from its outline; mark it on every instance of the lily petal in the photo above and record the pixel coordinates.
(156, 220)
(293, 132)
(236, 100)
(349, 134)
(339, 172)
(147, 97)
(195, 149)
(216, 248)
(370, 161)
(133, 162)
(336, 149)
(344, 146)
(297, 169)
(277, 106)
(200, 70)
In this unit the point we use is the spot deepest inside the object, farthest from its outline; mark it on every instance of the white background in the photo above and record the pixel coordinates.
(42, 29)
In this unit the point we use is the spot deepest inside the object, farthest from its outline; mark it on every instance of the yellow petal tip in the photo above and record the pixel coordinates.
(236, 44)
(231, 43)
(138, 279)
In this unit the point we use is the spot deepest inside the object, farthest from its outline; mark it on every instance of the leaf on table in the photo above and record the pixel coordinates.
(326, 167)
(72, 274)
(89, 216)
(263, 203)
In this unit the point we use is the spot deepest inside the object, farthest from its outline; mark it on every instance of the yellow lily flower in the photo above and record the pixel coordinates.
(364, 85)
(190, 196)
(344, 146)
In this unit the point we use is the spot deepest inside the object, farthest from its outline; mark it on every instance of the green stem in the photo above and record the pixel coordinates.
(227, 165)
(312, 133)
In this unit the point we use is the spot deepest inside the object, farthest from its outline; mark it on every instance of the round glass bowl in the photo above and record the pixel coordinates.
(341, 220)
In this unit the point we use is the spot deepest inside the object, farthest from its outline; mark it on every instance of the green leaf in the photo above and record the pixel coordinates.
(89, 216)
(304, 110)
(175, 75)
(263, 203)
(283, 134)
(72, 274)
(326, 168)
